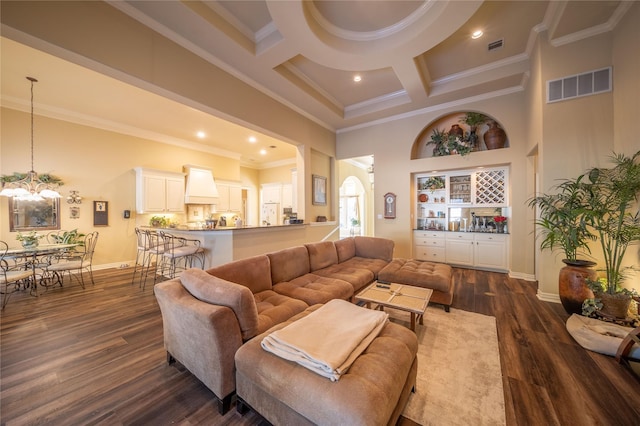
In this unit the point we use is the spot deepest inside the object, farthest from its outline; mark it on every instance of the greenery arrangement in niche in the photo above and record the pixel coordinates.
(449, 144)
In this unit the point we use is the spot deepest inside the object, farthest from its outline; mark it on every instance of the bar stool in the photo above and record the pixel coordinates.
(142, 251)
(154, 248)
(180, 254)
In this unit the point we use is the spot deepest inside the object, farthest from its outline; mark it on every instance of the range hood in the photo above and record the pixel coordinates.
(201, 187)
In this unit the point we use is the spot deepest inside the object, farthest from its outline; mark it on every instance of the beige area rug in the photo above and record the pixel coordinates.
(459, 375)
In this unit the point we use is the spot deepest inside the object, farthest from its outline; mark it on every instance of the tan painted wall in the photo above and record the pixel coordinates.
(280, 174)
(99, 164)
(391, 143)
(568, 137)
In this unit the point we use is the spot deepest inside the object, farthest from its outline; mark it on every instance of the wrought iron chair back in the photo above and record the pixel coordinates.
(13, 274)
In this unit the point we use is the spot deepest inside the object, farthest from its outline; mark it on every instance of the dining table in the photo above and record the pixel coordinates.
(33, 256)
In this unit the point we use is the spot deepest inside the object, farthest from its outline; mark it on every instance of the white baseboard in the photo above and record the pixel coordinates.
(116, 265)
(522, 276)
(548, 297)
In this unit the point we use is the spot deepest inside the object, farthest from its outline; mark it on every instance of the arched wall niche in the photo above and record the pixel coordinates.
(420, 149)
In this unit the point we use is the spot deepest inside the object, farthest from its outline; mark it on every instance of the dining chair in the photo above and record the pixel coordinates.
(12, 274)
(54, 237)
(179, 254)
(79, 261)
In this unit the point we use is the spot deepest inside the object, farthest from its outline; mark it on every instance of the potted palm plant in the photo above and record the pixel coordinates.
(561, 225)
(610, 196)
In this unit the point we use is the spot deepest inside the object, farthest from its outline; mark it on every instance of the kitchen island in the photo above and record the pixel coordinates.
(225, 244)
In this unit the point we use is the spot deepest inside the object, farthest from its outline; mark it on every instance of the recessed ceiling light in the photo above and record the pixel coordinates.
(263, 151)
(201, 134)
(252, 139)
(477, 34)
(357, 78)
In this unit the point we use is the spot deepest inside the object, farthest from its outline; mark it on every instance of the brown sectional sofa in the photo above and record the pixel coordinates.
(379, 383)
(209, 315)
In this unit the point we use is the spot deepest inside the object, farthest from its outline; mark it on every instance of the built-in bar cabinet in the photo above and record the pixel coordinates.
(453, 216)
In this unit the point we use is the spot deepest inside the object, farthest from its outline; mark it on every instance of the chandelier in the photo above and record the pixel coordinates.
(30, 186)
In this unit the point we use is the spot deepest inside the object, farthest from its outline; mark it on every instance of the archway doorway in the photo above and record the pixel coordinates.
(353, 217)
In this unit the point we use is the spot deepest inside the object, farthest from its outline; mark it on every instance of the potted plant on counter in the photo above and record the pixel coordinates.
(610, 197)
(561, 225)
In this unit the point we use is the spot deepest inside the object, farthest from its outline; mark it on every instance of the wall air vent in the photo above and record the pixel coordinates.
(495, 45)
(575, 86)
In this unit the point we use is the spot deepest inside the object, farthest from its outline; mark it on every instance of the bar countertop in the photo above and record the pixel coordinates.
(224, 228)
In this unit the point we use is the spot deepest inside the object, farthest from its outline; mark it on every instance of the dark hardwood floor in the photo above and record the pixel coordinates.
(95, 356)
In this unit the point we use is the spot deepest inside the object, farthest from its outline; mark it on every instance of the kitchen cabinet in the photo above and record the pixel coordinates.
(486, 251)
(159, 192)
(460, 189)
(287, 195)
(229, 197)
(431, 202)
(491, 187)
(272, 193)
(436, 193)
(460, 248)
(429, 245)
(480, 188)
(491, 251)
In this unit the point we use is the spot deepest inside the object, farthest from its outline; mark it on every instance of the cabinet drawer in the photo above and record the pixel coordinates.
(492, 237)
(428, 234)
(429, 242)
(460, 236)
(432, 254)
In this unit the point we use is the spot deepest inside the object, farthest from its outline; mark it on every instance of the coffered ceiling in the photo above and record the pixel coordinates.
(410, 55)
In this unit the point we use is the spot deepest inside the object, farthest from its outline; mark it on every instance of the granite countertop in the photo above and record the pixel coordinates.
(466, 232)
(225, 228)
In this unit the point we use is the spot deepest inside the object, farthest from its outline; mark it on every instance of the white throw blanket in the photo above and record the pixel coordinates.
(328, 340)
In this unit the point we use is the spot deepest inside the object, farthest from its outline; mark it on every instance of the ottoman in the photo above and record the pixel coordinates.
(373, 391)
(436, 276)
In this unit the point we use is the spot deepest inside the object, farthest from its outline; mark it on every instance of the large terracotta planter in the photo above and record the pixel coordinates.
(572, 286)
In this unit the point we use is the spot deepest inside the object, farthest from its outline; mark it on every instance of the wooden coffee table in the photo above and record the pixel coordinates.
(398, 296)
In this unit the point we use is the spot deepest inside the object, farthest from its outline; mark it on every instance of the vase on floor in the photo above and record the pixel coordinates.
(572, 287)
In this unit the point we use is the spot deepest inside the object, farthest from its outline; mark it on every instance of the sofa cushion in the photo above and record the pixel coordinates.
(315, 289)
(373, 265)
(289, 263)
(357, 277)
(274, 308)
(346, 249)
(321, 254)
(214, 290)
(253, 272)
(374, 247)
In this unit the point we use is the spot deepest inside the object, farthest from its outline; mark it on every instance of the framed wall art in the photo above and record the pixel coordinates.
(319, 190)
(100, 213)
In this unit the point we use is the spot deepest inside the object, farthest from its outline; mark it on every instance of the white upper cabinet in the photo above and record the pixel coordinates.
(159, 192)
(229, 196)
